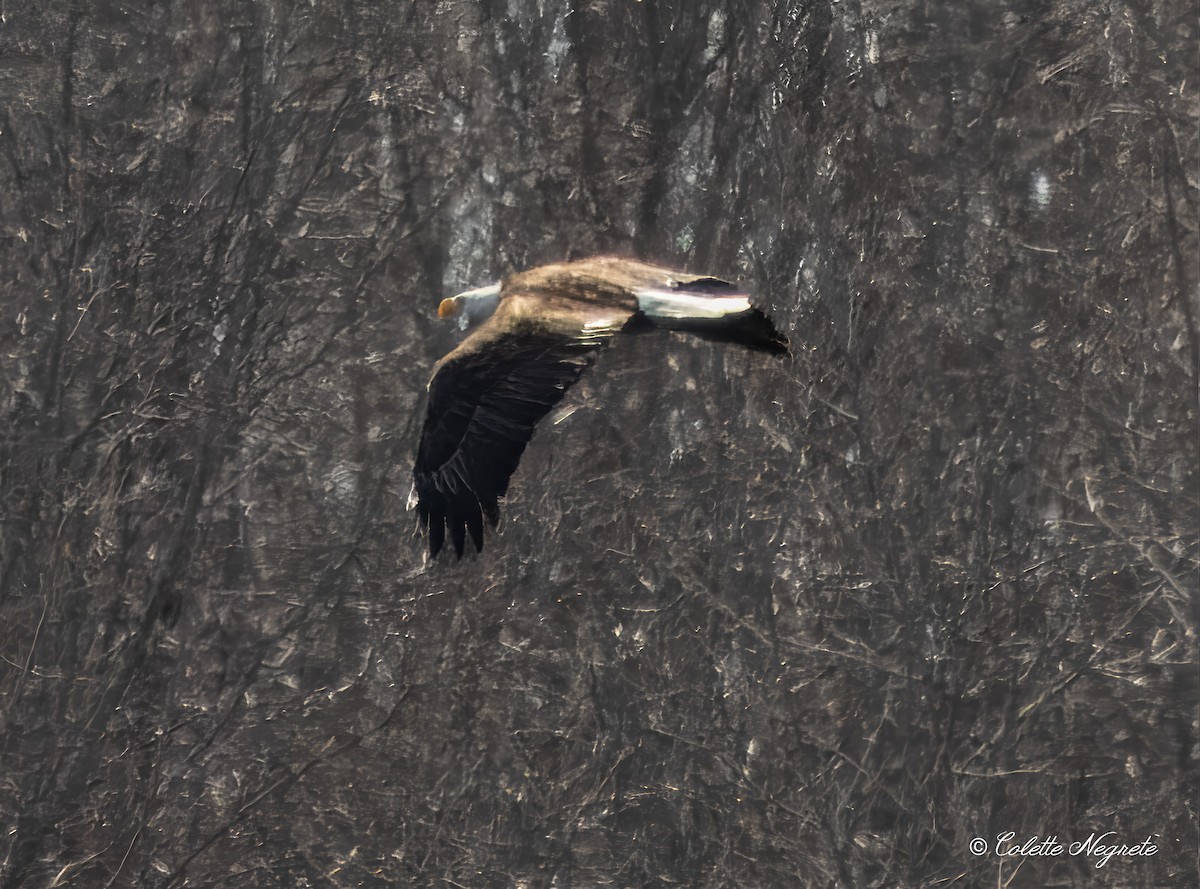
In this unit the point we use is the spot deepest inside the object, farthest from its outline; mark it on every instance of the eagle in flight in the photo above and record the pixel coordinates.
(535, 333)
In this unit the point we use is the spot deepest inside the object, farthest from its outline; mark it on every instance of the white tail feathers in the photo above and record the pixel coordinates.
(682, 305)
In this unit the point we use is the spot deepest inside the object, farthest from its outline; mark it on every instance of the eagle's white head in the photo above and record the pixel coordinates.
(471, 307)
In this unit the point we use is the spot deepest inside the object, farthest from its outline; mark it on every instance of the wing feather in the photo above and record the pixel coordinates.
(486, 397)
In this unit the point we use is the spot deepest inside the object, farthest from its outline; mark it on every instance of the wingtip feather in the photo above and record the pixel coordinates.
(437, 535)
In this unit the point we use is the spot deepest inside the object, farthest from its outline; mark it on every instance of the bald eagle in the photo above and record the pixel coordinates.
(535, 334)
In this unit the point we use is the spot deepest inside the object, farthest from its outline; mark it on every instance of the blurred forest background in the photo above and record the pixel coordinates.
(748, 622)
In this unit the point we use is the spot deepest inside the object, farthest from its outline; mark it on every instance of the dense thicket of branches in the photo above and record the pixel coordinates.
(748, 622)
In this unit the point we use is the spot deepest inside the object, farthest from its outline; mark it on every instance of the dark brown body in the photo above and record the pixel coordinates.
(540, 331)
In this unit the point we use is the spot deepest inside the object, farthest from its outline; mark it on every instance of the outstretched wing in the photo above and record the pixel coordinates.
(485, 398)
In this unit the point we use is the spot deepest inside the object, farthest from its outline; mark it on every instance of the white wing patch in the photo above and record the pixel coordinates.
(605, 326)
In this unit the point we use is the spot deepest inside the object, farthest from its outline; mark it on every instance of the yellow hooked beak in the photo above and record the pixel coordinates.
(448, 307)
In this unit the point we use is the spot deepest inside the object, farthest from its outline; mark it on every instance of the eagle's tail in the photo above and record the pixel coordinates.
(713, 309)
